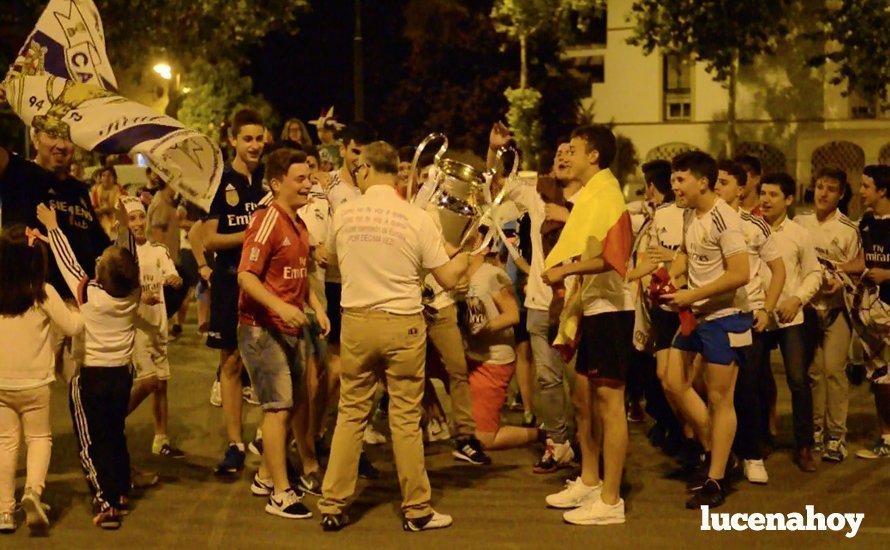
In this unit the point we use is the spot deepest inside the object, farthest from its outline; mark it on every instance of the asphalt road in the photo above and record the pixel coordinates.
(496, 507)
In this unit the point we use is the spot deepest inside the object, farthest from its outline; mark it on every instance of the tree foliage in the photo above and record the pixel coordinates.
(715, 32)
(723, 35)
(455, 50)
(859, 46)
(216, 91)
(183, 30)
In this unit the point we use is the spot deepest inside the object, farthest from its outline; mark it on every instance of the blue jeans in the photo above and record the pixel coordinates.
(797, 355)
(550, 372)
(275, 364)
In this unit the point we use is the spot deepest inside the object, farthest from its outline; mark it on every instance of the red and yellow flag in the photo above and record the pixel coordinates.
(599, 225)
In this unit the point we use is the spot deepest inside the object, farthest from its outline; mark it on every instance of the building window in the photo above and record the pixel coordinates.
(591, 68)
(677, 85)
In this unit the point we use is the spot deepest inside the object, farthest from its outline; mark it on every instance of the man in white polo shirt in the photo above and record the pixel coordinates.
(383, 245)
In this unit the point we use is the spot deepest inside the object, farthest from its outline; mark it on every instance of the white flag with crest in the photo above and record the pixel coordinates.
(62, 83)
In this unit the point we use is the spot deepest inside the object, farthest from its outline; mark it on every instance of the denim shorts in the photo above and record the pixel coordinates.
(719, 340)
(274, 362)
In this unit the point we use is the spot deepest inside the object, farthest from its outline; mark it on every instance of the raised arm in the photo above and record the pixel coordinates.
(72, 272)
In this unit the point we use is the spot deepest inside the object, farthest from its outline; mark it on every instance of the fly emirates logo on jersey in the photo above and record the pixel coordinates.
(242, 220)
(291, 273)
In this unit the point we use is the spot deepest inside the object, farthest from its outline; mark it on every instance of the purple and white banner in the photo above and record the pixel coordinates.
(63, 84)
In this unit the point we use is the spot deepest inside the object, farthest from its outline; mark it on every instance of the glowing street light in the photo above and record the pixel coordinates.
(164, 70)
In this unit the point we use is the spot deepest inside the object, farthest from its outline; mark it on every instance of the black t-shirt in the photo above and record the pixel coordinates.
(875, 233)
(235, 201)
(24, 185)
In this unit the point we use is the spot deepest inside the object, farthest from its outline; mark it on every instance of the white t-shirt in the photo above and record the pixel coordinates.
(538, 295)
(710, 238)
(837, 242)
(382, 245)
(28, 359)
(494, 348)
(338, 194)
(109, 322)
(762, 248)
(316, 214)
(155, 265)
(803, 274)
(666, 228)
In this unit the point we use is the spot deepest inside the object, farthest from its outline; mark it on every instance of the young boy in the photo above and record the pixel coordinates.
(762, 249)
(273, 275)
(874, 264)
(493, 312)
(152, 367)
(240, 194)
(100, 392)
(598, 234)
(836, 239)
(714, 258)
(803, 277)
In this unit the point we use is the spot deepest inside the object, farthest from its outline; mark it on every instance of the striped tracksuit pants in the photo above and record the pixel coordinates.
(99, 402)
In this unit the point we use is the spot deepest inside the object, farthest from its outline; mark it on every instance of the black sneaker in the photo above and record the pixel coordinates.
(232, 463)
(699, 476)
(175, 331)
(711, 494)
(334, 522)
(169, 451)
(469, 449)
(366, 470)
(288, 505)
(657, 435)
(311, 483)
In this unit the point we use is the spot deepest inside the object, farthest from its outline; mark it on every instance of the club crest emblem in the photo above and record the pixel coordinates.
(232, 198)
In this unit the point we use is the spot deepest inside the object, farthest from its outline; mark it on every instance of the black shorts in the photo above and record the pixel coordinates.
(223, 331)
(604, 350)
(520, 331)
(188, 268)
(332, 292)
(664, 327)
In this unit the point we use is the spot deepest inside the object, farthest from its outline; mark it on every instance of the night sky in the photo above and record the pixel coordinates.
(302, 74)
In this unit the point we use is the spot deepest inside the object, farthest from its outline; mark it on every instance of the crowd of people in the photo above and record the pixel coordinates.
(334, 300)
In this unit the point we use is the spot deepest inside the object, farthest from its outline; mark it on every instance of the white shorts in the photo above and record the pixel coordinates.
(150, 356)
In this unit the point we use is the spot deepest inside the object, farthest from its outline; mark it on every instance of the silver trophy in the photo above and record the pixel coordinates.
(460, 194)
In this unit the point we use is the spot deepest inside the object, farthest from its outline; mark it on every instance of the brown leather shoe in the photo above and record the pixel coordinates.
(804, 460)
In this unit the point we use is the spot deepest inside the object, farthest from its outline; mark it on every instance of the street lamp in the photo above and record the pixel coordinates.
(164, 70)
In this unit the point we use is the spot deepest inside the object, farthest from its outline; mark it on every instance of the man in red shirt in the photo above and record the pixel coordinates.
(274, 280)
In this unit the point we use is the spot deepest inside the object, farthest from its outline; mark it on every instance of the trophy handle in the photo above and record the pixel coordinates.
(412, 178)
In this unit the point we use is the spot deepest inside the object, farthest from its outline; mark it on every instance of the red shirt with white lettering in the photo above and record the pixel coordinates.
(276, 250)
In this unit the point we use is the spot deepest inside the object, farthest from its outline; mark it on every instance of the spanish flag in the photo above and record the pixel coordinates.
(598, 226)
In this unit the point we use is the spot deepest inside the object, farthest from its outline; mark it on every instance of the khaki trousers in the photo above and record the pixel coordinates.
(375, 345)
(445, 336)
(828, 376)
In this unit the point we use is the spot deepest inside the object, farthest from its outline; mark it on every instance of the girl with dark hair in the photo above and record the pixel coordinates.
(31, 311)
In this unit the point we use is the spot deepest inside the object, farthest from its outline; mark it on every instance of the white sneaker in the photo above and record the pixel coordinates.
(216, 394)
(7, 522)
(755, 471)
(372, 436)
(35, 513)
(249, 396)
(574, 495)
(596, 512)
(437, 431)
(288, 505)
(433, 521)
(260, 487)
